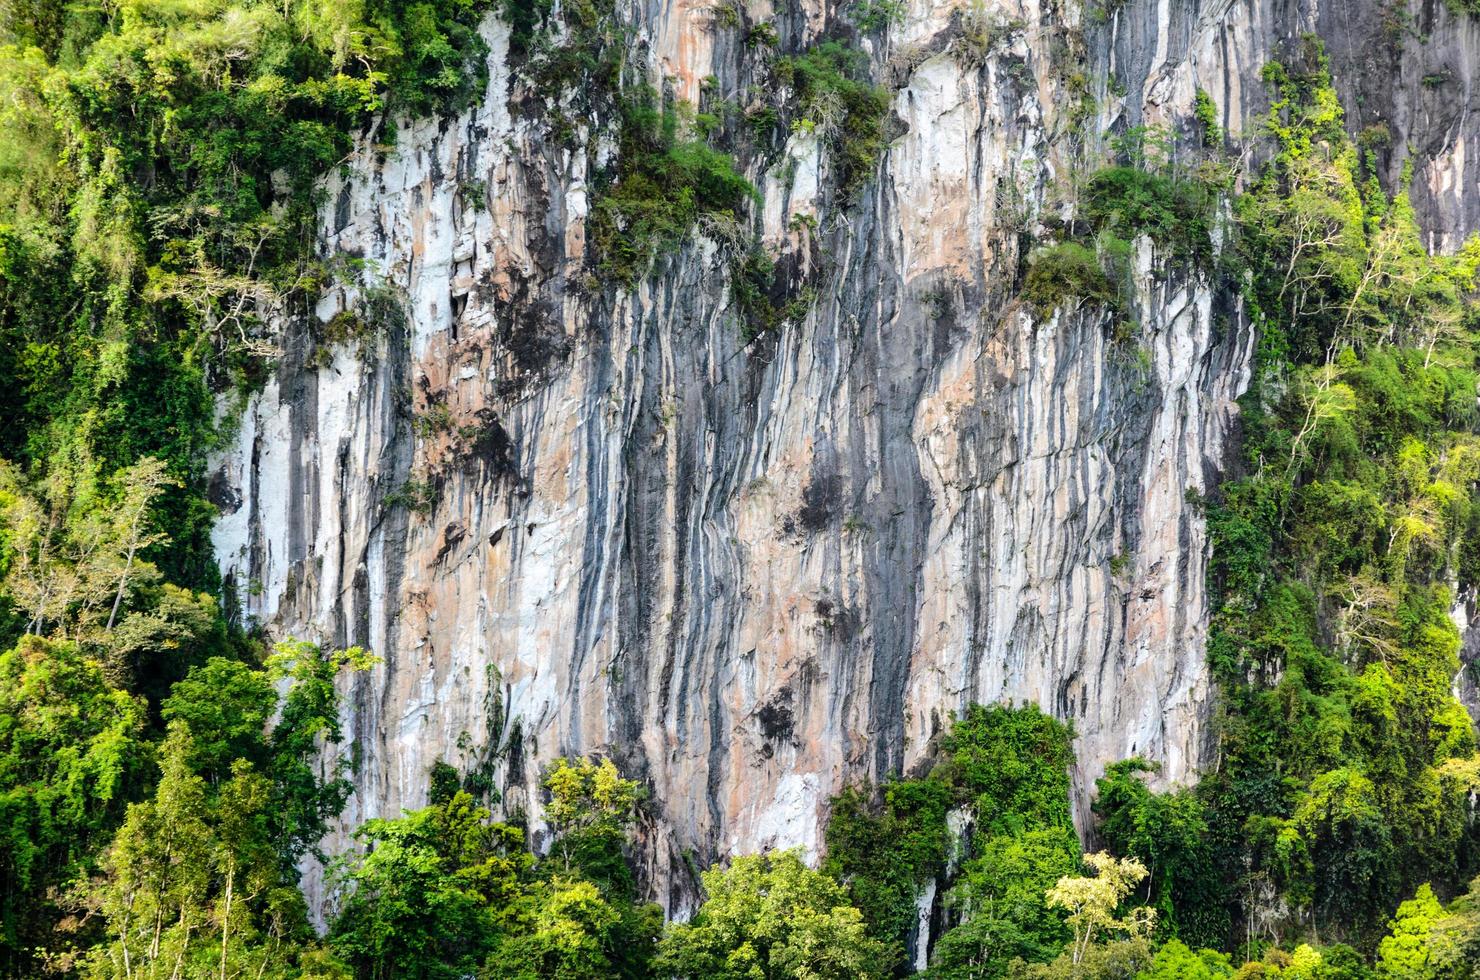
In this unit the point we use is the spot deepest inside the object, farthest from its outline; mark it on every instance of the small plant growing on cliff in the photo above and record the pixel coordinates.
(876, 15)
(434, 421)
(1205, 111)
(1062, 272)
(766, 304)
(727, 14)
(415, 495)
(1103, 11)
(937, 302)
(1176, 214)
(980, 33)
(666, 181)
(835, 100)
(762, 35)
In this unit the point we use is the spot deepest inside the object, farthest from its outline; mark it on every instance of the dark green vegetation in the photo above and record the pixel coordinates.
(764, 303)
(1345, 762)
(835, 100)
(156, 202)
(1174, 213)
(1090, 262)
(1065, 271)
(665, 185)
(1010, 770)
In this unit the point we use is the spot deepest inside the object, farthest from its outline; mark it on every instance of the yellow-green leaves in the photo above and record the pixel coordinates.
(584, 793)
(589, 811)
(770, 917)
(75, 547)
(1092, 900)
(1404, 953)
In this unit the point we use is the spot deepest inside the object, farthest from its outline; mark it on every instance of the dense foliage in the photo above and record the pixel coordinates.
(201, 878)
(1343, 781)
(1089, 261)
(71, 751)
(156, 202)
(665, 184)
(1004, 770)
(837, 102)
(770, 916)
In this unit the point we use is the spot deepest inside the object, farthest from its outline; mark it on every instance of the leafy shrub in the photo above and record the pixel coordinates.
(835, 99)
(71, 754)
(876, 15)
(765, 303)
(1176, 214)
(1205, 111)
(664, 184)
(1066, 271)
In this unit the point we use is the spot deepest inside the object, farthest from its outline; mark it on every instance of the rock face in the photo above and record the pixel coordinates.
(584, 520)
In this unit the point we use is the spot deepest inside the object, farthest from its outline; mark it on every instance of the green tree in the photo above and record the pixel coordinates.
(431, 893)
(1175, 961)
(1348, 842)
(227, 705)
(770, 917)
(192, 887)
(1000, 898)
(1405, 954)
(1011, 764)
(886, 852)
(591, 811)
(568, 931)
(445, 891)
(1004, 772)
(1454, 940)
(303, 800)
(72, 754)
(1121, 959)
(1091, 901)
(590, 808)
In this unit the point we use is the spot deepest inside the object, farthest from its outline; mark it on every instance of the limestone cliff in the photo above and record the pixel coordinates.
(574, 518)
